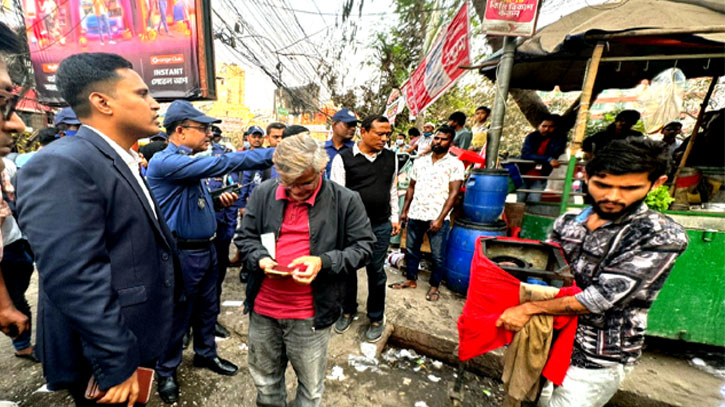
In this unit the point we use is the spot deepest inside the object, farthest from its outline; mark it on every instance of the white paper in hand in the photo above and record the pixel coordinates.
(269, 244)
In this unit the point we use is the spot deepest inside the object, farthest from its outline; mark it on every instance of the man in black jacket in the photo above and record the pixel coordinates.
(370, 169)
(300, 238)
(621, 129)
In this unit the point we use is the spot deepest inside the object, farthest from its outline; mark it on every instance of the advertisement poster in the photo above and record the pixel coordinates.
(395, 105)
(409, 98)
(159, 37)
(511, 17)
(440, 68)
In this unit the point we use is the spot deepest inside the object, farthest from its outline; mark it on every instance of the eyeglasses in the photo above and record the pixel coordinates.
(203, 129)
(302, 185)
(10, 102)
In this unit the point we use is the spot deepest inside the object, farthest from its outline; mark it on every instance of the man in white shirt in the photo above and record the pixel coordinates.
(105, 256)
(420, 144)
(434, 184)
(370, 169)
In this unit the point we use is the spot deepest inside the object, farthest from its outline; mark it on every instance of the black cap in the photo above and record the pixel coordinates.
(159, 136)
(151, 148)
(294, 130)
(47, 135)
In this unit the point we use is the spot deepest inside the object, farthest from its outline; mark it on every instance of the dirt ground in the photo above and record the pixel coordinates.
(671, 373)
(416, 382)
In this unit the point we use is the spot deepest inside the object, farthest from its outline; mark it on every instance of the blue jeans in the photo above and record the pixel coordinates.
(531, 196)
(104, 23)
(376, 277)
(275, 342)
(199, 309)
(414, 239)
(162, 11)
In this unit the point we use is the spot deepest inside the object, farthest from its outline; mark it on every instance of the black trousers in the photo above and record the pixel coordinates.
(376, 277)
(222, 258)
(17, 268)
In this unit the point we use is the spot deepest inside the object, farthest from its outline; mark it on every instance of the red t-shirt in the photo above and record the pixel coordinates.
(284, 298)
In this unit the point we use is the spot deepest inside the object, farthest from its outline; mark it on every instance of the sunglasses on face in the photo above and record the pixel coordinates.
(9, 102)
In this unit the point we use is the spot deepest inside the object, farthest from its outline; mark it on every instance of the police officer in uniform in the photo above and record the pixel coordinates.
(176, 178)
(226, 219)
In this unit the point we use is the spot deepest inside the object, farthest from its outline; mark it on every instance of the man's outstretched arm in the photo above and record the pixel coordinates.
(516, 317)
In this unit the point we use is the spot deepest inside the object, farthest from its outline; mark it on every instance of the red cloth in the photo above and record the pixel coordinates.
(467, 156)
(284, 298)
(542, 146)
(541, 151)
(490, 292)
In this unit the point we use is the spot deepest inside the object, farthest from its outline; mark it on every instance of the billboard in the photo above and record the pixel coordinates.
(441, 67)
(511, 17)
(169, 42)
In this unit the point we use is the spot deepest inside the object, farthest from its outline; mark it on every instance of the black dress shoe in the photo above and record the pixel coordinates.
(168, 389)
(220, 331)
(216, 365)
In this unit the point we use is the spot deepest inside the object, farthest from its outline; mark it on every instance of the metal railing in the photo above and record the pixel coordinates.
(546, 177)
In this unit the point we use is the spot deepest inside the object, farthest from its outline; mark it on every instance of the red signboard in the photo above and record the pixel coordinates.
(163, 39)
(511, 17)
(409, 98)
(441, 67)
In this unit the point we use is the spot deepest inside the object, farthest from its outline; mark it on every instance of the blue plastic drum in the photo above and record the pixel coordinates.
(460, 248)
(486, 191)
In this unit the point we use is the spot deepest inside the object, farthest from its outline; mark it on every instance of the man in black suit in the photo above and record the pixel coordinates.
(106, 259)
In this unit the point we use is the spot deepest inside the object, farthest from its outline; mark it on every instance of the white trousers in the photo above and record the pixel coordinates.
(584, 387)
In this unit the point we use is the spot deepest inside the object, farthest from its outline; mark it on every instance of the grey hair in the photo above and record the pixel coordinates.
(296, 154)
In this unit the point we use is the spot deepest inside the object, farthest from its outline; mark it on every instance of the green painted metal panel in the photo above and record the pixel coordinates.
(691, 305)
(536, 227)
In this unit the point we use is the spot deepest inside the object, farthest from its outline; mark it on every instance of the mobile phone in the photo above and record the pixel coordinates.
(280, 270)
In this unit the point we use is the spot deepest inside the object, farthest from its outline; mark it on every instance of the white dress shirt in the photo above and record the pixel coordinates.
(132, 160)
(337, 174)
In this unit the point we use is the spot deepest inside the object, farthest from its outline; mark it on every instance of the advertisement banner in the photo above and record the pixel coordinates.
(161, 38)
(409, 98)
(440, 68)
(396, 103)
(511, 17)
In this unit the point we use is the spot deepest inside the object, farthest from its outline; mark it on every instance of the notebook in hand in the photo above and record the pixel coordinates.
(145, 382)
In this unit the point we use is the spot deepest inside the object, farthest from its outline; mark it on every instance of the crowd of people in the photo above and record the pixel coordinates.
(131, 251)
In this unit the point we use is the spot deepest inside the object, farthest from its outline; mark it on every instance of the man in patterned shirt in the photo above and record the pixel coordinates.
(434, 184)
(620, 253)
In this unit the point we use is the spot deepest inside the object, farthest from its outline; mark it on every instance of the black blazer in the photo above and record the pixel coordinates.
(340, 234)
(107, 266)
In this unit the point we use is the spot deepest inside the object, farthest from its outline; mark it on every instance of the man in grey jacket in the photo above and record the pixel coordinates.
(300, 238)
